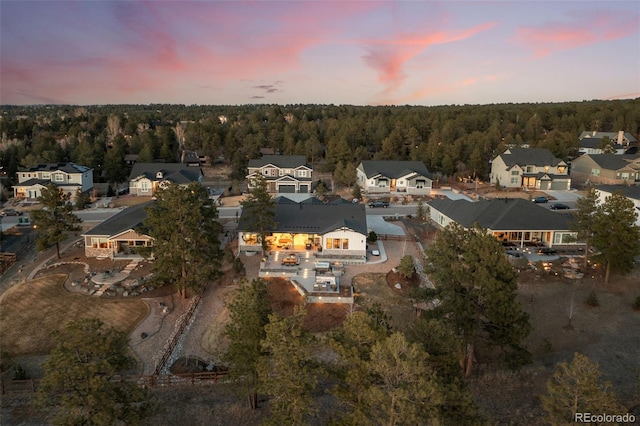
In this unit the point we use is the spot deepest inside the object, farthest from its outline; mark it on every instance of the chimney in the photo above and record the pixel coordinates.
(620, 137)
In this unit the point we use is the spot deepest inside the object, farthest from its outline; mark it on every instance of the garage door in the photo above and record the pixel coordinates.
(287, 189)
(304, 189)
(559, 185)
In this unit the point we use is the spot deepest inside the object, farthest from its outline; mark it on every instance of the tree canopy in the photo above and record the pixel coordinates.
(249, 314)
(475, 290)
(80, 378)
(259, 211)
(54, 219)
(183, 223)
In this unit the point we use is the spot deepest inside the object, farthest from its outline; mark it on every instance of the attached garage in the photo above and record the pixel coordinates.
(287, 189)
(304, 188)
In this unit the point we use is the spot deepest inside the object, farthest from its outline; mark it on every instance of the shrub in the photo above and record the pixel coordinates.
(372, 237)
(238, 266)
(636, 304)
(592, 300)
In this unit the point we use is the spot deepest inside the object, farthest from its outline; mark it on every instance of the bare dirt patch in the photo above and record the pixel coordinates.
(401, 284)
(30, 312)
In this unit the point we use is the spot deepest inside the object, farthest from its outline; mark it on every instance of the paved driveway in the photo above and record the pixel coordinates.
(560, 196)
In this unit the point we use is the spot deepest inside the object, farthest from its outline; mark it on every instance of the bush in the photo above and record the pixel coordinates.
(592, 300)
(372, 237)
(238, 266)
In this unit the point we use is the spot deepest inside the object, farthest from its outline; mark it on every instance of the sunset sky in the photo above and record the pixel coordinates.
(317, 52)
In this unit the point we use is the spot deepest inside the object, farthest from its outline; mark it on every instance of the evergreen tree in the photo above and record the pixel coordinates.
(576, 388)
(406, 267)
(259, 211)
(476, 292)
(287, 372)
(249, 314)
(54, 219)
(80, 378)
(585, 218)
(616, 235)
(183, 223)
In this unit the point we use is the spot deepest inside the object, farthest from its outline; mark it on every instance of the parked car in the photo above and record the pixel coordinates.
(11, 212)
(540, 200)
(378, 203)
(559, 206)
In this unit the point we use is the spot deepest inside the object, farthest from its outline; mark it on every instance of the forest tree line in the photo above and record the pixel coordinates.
(455, 140)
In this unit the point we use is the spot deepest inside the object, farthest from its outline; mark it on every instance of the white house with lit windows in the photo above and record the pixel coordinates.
(69, 177)
(511, 220)
(146, 178)
(284, 173)
(533, 168)
(393, 177)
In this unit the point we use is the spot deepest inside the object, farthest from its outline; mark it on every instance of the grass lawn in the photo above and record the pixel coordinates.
(31, 311)
(128, 201)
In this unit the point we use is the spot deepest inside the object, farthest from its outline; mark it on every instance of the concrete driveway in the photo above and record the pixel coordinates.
(566, 196)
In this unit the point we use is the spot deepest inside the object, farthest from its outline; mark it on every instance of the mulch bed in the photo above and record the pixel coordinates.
(407, 284)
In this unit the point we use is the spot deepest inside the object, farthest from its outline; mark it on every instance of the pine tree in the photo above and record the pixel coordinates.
(576, 388)
(616, 235)
(79, 378)
(259, 211)
(249, 314)
(585, 216)
(54, 219)
(476, 288)
(183, 223)
(287, 372)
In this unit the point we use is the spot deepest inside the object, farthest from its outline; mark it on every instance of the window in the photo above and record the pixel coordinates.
(345, 244)
(595, 172)
(441, 219)
(336, 243)
(625, 176)
(329, 243)
(46, 176)
(515, 172)
(302, 173)
(281, 172)
(564, 237)
(58, 177)
(514, 180)
(529, 169)
(144, 186)
(382, 183)
(561, 169)
(99, 242)
(420, 184)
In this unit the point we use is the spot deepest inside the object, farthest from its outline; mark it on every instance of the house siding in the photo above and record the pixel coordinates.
(357, 243)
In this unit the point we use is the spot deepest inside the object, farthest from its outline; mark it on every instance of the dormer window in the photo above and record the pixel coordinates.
(561, 169)
(159, 175)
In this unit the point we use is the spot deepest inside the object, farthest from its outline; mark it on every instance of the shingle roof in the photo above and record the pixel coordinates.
(280, 161)
(529, 156)
(628, 191)
(611, 161)
(34, 181)
(611, 135)
(178, 173)
(52, 167)
(594, 143)
(394, 169)
(508, 214)
(312, 217)
(129, 218)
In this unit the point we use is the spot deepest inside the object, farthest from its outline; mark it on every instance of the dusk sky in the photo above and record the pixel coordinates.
(317, 52)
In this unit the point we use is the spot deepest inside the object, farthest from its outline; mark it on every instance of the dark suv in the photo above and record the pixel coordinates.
(540, 200)
(378, 203)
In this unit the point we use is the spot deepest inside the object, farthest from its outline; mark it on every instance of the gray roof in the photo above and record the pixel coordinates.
(178, 173)
(611, 161)
(504, 214)
(34, 181)
(627, 191)
(394, 169)
(594, 143)
(315, 217)
(280, 161)
(129, 218)
(529, 156)
(52, 167)
(611, 135)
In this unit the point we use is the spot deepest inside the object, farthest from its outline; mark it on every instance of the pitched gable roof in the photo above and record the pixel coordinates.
(69, 168)
(280, 161)
(312, 217)
(508, 214)
(178, 173)
(611, 161)
(529, 156)
(632, 191)
(394, 169)
(129, 218)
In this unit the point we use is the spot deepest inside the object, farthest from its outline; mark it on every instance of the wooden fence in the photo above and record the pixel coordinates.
(165, 380)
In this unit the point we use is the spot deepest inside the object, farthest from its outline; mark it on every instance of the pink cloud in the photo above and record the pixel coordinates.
(388, 57)
(585, 29)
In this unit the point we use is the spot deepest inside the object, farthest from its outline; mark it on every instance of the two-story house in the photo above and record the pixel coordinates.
(534, 168)
(620, 138)
(146, 178)
(283, 173)
(69, 177)
(390, 177)
(611, 169)
(632, 192)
